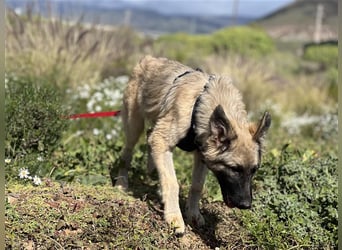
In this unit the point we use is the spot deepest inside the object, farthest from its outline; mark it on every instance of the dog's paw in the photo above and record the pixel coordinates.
(122, 184)
(195, 218)
(121, 180)
(175, 220)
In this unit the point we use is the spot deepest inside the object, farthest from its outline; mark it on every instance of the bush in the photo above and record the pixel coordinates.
(238, 40)
(33, 121)
(91, 146)
(326, 55)
(242, 40)
(183, 47)
(296, 199)
(332, 80)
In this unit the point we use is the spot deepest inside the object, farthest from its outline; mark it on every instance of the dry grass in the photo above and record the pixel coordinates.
(260, 82)
(66, 53)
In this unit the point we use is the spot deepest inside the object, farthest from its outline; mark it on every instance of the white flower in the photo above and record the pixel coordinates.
(79, 132)
(36, 180)
(98, 96)
(98, 108)
(109, 136)
(90, 105)
(24, 173)
(40, 158)
(122, 79)
(96, 131)
(84, 91)
(7, 161)
(110, 103)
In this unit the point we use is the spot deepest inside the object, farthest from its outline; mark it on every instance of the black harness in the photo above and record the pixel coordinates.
(187, 143)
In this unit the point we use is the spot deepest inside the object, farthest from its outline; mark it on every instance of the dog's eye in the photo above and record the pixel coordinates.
(237, 169)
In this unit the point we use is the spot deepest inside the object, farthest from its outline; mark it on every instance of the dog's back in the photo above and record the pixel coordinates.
(151, 81)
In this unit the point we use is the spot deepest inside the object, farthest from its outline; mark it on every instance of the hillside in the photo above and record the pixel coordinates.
(297, 21)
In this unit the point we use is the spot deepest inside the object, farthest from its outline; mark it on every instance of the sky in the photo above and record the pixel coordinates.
(247, 8)
(252, 8)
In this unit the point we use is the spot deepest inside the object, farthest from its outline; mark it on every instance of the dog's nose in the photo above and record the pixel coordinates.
(244, 205)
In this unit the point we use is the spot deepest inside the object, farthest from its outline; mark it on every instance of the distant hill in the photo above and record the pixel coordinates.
(155, 23)
(143, 20)
(297, 21)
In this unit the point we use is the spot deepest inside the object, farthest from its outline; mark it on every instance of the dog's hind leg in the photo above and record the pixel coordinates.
(133, 125)
(150, 164)
(192, 211)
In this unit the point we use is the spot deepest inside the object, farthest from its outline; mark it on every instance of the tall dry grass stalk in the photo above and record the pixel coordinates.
(66, 53)
(260, 83)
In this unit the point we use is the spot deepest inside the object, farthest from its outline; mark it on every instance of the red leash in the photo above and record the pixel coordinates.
(95, 115)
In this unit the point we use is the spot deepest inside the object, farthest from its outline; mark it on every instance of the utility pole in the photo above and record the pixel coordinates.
(318, 23)
(127, 17)
(235, 12)
(193, 26)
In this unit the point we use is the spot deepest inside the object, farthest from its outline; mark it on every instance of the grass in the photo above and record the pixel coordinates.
(77, 54)
(271, 80)
(77, 215)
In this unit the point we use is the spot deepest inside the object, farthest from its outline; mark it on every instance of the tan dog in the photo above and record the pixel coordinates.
(197, 112)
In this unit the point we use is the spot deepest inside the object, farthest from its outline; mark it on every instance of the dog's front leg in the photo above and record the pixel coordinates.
(163, 161)
(193, 215)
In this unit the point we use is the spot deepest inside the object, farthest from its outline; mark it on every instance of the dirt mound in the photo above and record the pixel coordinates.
(54, 216)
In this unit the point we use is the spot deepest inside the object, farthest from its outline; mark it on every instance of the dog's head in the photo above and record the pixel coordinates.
(233, 152)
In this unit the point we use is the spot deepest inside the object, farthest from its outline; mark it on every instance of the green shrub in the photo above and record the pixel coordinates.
(33, 121)
(242, 40)
(238, 40)
(91, 146)
(332, 81)
(183, 47)
(296, 199)
(326, 55)
(86, 158)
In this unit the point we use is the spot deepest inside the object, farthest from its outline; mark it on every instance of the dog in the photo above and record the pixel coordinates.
(199, 113)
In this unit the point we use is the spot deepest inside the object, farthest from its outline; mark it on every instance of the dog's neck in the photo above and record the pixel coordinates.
(188, 142)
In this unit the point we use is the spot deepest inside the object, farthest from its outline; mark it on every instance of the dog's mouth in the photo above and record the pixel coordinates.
(228, 202)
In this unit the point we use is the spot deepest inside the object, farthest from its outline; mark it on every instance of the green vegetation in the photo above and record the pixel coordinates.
(295, 201)
(33, 123)
(325, 55)
(74, 205)
(183, 47)
(245, 41)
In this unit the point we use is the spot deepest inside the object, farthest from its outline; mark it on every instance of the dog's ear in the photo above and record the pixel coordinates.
(258, 132)
(221, 130)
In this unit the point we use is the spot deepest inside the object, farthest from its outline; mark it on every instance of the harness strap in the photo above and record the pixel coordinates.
(187, 143)
(181, 75)
(185, 73)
